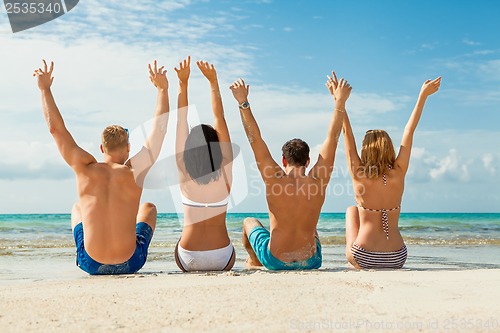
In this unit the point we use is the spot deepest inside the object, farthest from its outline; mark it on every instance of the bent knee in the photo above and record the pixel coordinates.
(249, 223)
(352, 210)
(147, 213)
(149, 209)
(148, 205)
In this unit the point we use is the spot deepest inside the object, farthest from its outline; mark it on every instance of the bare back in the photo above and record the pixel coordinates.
(205, 227)
(294, 207)
(294, 199)
(108, 194)
(109, 201)
(374, 195)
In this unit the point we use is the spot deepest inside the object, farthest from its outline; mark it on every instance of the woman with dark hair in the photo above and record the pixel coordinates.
(372, 234)
(204, 161)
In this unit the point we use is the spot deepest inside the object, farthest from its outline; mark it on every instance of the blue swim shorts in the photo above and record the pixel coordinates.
(259, 238)
(144, 233)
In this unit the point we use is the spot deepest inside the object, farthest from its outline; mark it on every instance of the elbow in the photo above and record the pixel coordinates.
(53, 129)
(55, 126)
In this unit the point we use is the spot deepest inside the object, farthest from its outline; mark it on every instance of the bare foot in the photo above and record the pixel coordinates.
(352, 267)
(251, 264)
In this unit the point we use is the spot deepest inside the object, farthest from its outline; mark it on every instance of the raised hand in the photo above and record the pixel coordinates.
(44, 76)
(430, 87)
(158, 76)
(332, 84)
(208, 70)
(340, 90)
(240, 90)
(184, 70)
(343, 91)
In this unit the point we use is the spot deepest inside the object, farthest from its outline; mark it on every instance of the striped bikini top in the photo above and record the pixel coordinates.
(385, 217)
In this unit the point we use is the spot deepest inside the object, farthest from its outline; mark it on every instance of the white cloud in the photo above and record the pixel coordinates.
(489, 164)
(491, 69)
(451, 167)
(467, 41)
(451, 157)
(428, 46)
(418, 152)
(101, 76)
(483, 52)
(101, 51)
(371, 103)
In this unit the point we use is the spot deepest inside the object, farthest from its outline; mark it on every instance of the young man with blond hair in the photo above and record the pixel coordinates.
(112, 230)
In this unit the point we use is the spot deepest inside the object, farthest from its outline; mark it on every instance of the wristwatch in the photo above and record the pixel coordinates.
(244, 106)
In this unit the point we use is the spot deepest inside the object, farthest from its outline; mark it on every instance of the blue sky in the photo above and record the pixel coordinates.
(284, 50)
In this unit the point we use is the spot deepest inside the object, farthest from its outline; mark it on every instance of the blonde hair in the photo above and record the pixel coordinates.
(114, 137)
(377, 154)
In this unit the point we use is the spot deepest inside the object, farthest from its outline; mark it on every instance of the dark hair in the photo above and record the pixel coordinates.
(296, 152)
(202, 154)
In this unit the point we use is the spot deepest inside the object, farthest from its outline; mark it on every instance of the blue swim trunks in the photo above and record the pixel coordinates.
(259, 238)
(144, 233)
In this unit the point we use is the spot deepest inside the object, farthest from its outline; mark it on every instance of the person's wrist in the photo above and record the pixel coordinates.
(340, 104)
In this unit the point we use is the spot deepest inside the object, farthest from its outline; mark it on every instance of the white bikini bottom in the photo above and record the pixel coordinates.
(211, 260)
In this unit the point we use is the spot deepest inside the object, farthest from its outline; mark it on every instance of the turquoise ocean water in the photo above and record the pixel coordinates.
(32, 244)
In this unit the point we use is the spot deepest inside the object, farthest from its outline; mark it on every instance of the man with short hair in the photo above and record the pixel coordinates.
(294, 198)
(112, 232)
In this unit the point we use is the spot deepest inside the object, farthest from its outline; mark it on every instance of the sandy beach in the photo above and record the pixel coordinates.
(248, 301)
(450, 283)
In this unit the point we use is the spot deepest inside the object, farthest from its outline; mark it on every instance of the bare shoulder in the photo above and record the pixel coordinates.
(85, 168)
(120, 169)
(101, 168)
(397, 172)
(274, 176)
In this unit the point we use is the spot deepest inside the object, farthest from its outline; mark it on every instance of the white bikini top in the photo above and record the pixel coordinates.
(191, 203)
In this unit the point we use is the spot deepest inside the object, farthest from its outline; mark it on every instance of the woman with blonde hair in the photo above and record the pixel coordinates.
(372, 234)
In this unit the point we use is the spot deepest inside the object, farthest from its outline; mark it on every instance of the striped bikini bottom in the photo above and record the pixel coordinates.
(374, 260)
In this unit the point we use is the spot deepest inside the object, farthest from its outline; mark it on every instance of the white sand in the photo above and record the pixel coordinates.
(262, 301)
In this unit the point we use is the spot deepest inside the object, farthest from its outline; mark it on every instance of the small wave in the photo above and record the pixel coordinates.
(9, 246)
(452, 241)
(340, 240)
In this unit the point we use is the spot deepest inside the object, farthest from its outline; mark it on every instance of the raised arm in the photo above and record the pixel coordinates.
(267, 166)
(428, 88)
(147, 156)
(340, 91)
(75, 156)
(351, 151)
(220, 124)
(353, 159)
(182, 131)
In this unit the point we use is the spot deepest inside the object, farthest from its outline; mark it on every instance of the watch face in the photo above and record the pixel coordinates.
(245, 105)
